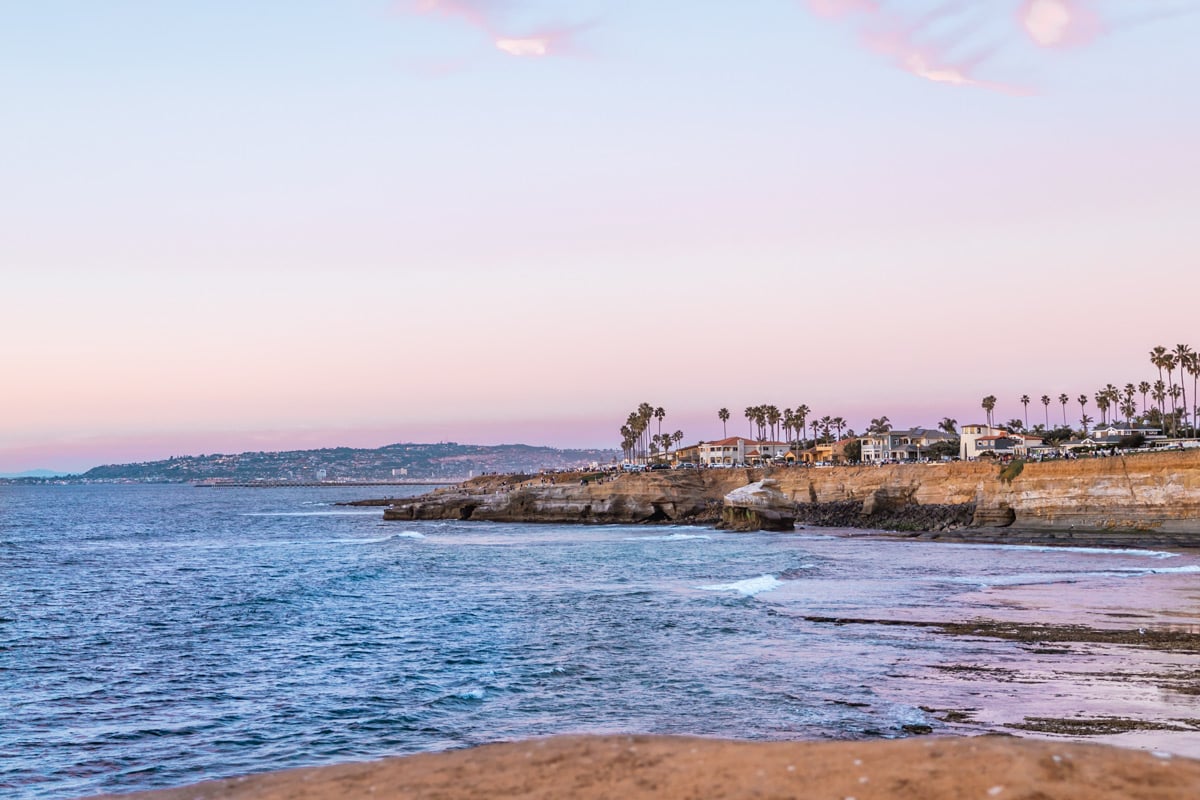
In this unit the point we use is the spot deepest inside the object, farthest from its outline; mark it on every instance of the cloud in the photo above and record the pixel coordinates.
(486, 16)
(943, 43)
(1059, 23)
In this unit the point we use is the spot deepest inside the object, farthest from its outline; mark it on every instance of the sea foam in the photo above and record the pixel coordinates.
(748, 587)
(674, 537)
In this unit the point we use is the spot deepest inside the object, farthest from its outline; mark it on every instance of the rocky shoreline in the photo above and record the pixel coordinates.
(1137, 500)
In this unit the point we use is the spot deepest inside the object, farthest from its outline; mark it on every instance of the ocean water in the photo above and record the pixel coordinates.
(159, 635)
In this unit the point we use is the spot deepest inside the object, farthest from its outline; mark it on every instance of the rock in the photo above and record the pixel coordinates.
(760, 506)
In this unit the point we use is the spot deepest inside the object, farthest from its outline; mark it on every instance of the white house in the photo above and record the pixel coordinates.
(905, 445)
(740, 450)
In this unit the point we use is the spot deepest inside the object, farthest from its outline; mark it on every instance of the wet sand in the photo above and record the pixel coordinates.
(674, 768)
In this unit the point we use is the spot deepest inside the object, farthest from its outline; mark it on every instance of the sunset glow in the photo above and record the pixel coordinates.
(238, 229)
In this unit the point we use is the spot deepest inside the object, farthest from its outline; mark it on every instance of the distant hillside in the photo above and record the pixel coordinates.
(33, 473)
(447, 460)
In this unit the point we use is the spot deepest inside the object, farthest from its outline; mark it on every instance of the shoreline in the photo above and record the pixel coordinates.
(1150, 500)
(673, 768)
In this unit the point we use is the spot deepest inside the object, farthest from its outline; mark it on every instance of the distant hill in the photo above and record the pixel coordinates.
(33, 473)
(445, 460)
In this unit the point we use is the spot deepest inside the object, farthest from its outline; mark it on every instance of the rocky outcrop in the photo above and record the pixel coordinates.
(759, 506)
(1151, 498)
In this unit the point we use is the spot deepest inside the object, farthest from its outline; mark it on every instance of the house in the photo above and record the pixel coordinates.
(970, 434)
(740, 450)
(1120, 429)
(834, 453)
(979, 440)
(900, 445)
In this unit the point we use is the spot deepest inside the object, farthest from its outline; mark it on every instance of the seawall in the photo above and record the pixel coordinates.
(1143, 498)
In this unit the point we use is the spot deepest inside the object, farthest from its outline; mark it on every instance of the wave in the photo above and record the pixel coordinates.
(1034, 548)
(748, 587)
(674, 537)
(310, 514)
(1029, 578)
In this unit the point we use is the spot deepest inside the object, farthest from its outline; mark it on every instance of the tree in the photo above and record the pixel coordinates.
(802, 412)
(949, 425)
(1102, 405)
(989, 405)
(853, 451)
(1062, 398)
(1159, 394)
(750, 412)
(879, 426)
(826, 426)
(659, 414)
(723, 415)
(1046, 406)
(1158, 358)
(1084, 421)
(1144, 388)
(1083, 400)
(839, 423)
(772, 416)
(677, 437)
(1193, 368)
(1183, 356)
(1015, 425)
(1025, 402)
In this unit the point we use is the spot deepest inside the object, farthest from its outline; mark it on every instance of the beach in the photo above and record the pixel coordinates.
(681, 768)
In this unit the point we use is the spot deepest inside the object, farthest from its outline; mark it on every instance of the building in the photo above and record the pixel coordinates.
(902, 445)
(967, 438)
(740, 450)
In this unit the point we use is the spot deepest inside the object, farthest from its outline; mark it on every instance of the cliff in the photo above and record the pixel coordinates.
(1141, 498)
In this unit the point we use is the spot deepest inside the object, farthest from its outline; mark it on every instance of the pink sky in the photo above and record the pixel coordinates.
(300, 246)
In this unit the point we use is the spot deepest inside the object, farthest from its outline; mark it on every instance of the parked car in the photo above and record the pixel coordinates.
(685, 465)
(660, 465)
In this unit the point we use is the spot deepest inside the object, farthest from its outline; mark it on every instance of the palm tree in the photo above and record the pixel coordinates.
(1159, 394)
(839, 423)
(1193, 368)
(749, 412)
(826, 424)
(989, 405)
(677, 437)
(1046, 407)
(723, 415)
(815, 423)
(772, 416)
(802, 412)
(1126, 399)
(1062, 398)
(1015, 425)
(1102, 405)
(1113, 397)
(949, 425)
(879, 425)
(1025, 402)
(659, 414)
(1083, 400)
(1144, 388)
(1084, 421)
(1158, 358)
(1183, 356)
(1129, 408)
(1169, 364)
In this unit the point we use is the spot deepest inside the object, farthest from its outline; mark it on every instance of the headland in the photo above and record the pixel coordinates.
(1137, 500)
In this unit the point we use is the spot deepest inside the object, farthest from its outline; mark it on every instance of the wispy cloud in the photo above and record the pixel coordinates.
(945, 42)
(488, 16)
(951, 41)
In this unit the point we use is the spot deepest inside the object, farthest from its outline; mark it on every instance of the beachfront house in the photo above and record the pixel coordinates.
(900, 445)
(740, 450)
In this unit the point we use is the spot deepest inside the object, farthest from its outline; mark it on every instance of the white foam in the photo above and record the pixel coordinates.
(1027, 578)
(408, 535)
(748, 587)
(674, 537)
(311, 514)
(1107, 551)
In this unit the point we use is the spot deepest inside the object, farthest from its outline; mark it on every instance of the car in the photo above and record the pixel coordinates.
(656, 467)
(685, 465)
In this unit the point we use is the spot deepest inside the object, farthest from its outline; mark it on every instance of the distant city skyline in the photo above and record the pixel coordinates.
(230, 227)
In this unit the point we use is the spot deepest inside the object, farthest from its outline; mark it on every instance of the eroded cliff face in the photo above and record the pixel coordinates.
(1145, 497)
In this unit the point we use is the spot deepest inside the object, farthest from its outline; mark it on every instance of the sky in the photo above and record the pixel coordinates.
(237, 226)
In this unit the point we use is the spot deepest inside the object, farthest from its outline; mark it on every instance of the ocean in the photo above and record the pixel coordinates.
(155, 636)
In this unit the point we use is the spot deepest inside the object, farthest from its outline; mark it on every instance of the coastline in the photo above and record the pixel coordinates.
(1141, 500)
(673, 768)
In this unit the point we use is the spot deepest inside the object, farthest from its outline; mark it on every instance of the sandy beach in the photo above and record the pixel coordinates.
(674, 768)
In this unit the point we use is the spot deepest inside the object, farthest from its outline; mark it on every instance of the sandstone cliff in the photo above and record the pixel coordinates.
(1142, 498)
